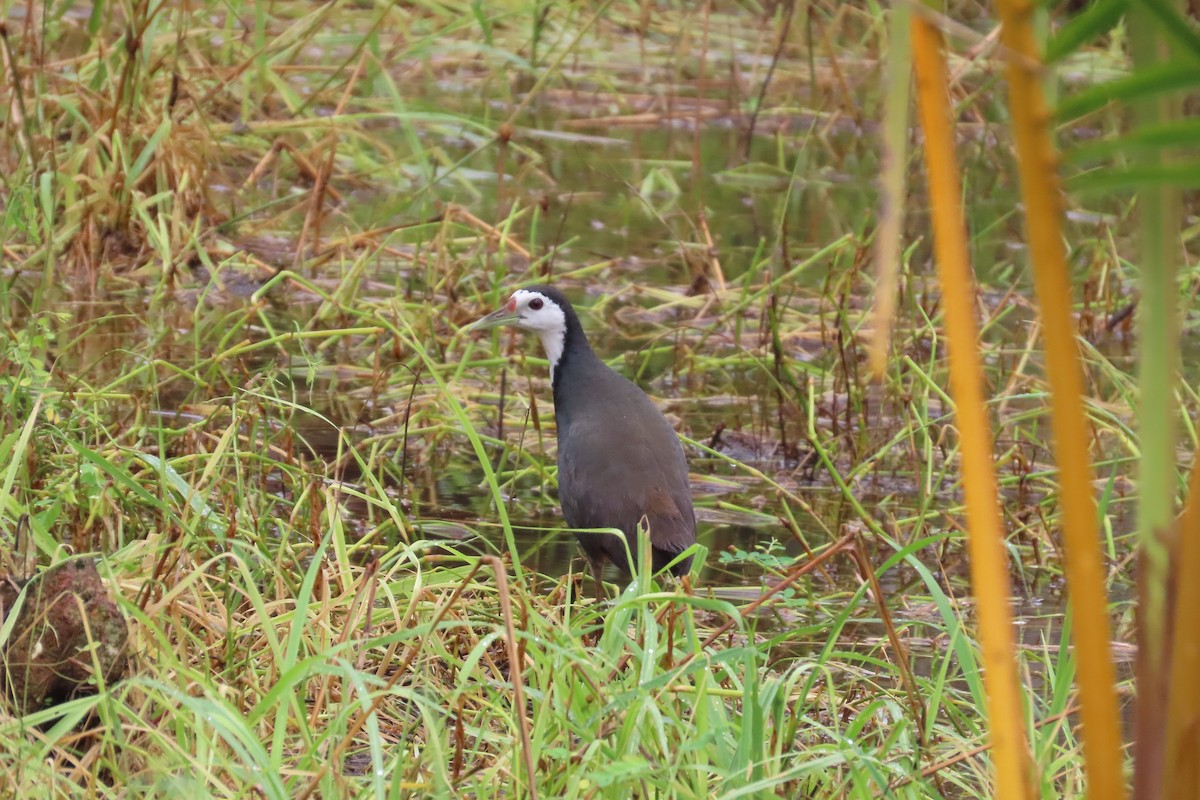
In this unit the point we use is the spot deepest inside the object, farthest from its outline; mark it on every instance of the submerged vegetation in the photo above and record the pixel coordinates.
(240, 248)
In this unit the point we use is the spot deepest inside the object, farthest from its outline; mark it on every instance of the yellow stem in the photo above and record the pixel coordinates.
(989, 565)
(1038, 169)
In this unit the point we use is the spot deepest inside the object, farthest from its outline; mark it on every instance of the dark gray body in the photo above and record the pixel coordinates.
(619, 460)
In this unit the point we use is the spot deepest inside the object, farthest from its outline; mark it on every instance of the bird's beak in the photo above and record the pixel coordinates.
(502, 317)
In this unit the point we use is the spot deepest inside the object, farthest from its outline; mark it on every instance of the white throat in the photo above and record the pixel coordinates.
(538, 313)
(552, 342)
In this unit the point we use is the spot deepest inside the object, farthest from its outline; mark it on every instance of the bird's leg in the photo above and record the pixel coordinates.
(597, 567)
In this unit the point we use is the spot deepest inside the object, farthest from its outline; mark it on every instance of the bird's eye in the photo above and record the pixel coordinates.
(536, 303)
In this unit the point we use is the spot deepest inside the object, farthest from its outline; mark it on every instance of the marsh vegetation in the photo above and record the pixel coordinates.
(240, 245)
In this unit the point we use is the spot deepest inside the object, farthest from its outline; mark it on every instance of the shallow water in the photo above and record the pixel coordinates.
(611, 212)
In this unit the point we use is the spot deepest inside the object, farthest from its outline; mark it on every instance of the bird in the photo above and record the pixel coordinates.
(620, 463)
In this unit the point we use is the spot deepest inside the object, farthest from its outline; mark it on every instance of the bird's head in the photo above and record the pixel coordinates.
(545, 311)
(529, 309)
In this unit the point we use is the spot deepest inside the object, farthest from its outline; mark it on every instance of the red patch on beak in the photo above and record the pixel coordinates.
(512, 304)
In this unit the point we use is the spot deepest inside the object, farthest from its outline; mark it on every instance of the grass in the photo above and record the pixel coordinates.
(240, 247)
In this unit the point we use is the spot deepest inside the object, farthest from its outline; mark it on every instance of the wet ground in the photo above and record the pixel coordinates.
(611, 212)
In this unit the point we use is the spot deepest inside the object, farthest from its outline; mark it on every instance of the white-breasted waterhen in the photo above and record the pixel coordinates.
(620, 464)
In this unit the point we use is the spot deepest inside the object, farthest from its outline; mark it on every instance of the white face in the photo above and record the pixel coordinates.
(538, 313)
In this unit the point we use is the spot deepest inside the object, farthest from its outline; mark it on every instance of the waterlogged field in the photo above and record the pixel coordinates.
(241, 245)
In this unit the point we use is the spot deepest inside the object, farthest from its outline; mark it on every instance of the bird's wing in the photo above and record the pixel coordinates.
(672, 528)
(621, 464)
(611, 495)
